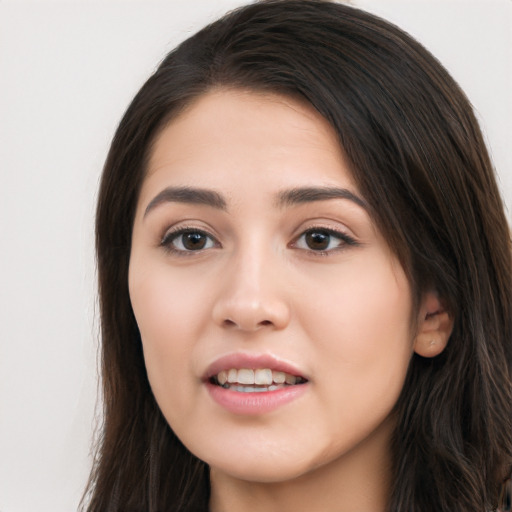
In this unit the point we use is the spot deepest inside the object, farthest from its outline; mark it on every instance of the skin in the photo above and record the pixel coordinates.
(341, 316)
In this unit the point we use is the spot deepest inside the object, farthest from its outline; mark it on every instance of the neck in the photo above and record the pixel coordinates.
(358, 481)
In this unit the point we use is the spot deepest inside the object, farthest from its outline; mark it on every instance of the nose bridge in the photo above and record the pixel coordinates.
(251, 266)
(251, 296)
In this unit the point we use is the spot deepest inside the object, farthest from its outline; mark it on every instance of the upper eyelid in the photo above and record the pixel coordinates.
(178, 228)
(176, 233)
(208, 231)
(344, 241)
(310, 225)
(338, 233)
(326, 225)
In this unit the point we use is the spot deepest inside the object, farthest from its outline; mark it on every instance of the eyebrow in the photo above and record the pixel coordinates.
(188, 195)
(292, 197)
(301, 195)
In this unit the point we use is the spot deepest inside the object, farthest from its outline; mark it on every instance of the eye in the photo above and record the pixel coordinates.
(323, 240)
(188, 240)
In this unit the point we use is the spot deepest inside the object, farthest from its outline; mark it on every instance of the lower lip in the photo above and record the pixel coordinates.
(256, 403)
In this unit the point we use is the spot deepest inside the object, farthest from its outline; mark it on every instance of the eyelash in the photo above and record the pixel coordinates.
(344, 239)
(171, 236)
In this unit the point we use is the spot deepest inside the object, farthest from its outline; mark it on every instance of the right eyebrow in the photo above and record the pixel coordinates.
(299, 195)
(190, 195)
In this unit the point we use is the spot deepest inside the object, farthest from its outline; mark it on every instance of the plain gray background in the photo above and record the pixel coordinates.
(68, 70)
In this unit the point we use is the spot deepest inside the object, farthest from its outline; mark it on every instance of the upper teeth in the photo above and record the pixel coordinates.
(262, 377)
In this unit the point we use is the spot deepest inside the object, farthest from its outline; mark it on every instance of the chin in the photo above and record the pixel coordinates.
(270, 461)
(256, 471)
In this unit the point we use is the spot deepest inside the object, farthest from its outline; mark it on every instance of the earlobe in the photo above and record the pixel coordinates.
(435, 325)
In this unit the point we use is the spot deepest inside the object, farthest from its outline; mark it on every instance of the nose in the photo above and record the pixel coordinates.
(252, 296)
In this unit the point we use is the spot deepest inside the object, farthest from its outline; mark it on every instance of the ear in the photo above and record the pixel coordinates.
(435, 326)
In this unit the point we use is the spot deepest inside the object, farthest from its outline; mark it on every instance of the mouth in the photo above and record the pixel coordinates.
(259, 380)
(248, 384)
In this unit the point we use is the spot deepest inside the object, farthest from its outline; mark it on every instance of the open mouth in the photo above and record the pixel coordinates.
(246, 380)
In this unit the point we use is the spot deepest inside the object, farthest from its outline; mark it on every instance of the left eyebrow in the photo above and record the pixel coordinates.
(188, 195)
(301, 195)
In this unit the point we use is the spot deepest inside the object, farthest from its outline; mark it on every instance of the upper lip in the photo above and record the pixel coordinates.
(251, 361)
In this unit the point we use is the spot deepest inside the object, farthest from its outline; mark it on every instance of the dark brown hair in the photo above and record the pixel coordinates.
(419, 159)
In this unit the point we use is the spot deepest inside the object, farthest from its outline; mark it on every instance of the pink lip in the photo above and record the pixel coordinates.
(251, 361)
(255, 403)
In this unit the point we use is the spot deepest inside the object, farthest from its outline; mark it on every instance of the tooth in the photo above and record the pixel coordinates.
(263, 377)
(232, 376)
(245, 376)
(290, 379)
(278, 377)
(249, 389)
(222, 377)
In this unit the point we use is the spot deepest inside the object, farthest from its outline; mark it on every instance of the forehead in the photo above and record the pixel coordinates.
(237, 133)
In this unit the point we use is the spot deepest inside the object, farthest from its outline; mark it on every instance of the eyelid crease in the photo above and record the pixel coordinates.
(334, 227)
(185, 225)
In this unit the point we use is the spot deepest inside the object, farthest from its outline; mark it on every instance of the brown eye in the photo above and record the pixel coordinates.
(318, 240)
(193, 241)
(323, 240)
(188, 240)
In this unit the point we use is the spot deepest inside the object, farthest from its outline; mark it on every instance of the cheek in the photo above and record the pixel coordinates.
(362, 326)
(167, 321)
(365, 310)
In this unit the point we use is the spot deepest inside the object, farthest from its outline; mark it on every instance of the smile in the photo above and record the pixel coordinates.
(246, 380)
(254, 384)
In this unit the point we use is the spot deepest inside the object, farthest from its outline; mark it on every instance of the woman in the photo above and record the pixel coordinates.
(305, 278)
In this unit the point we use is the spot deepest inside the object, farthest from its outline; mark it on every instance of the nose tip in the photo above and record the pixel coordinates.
(251, 316)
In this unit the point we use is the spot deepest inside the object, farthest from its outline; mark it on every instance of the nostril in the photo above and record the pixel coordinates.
(228, 323)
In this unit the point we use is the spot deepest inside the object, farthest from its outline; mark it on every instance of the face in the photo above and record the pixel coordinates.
(275, 320)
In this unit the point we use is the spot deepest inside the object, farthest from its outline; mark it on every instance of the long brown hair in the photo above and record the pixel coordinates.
(420, 161)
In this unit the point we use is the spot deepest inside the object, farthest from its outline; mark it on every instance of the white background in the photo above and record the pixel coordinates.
(67, 71)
